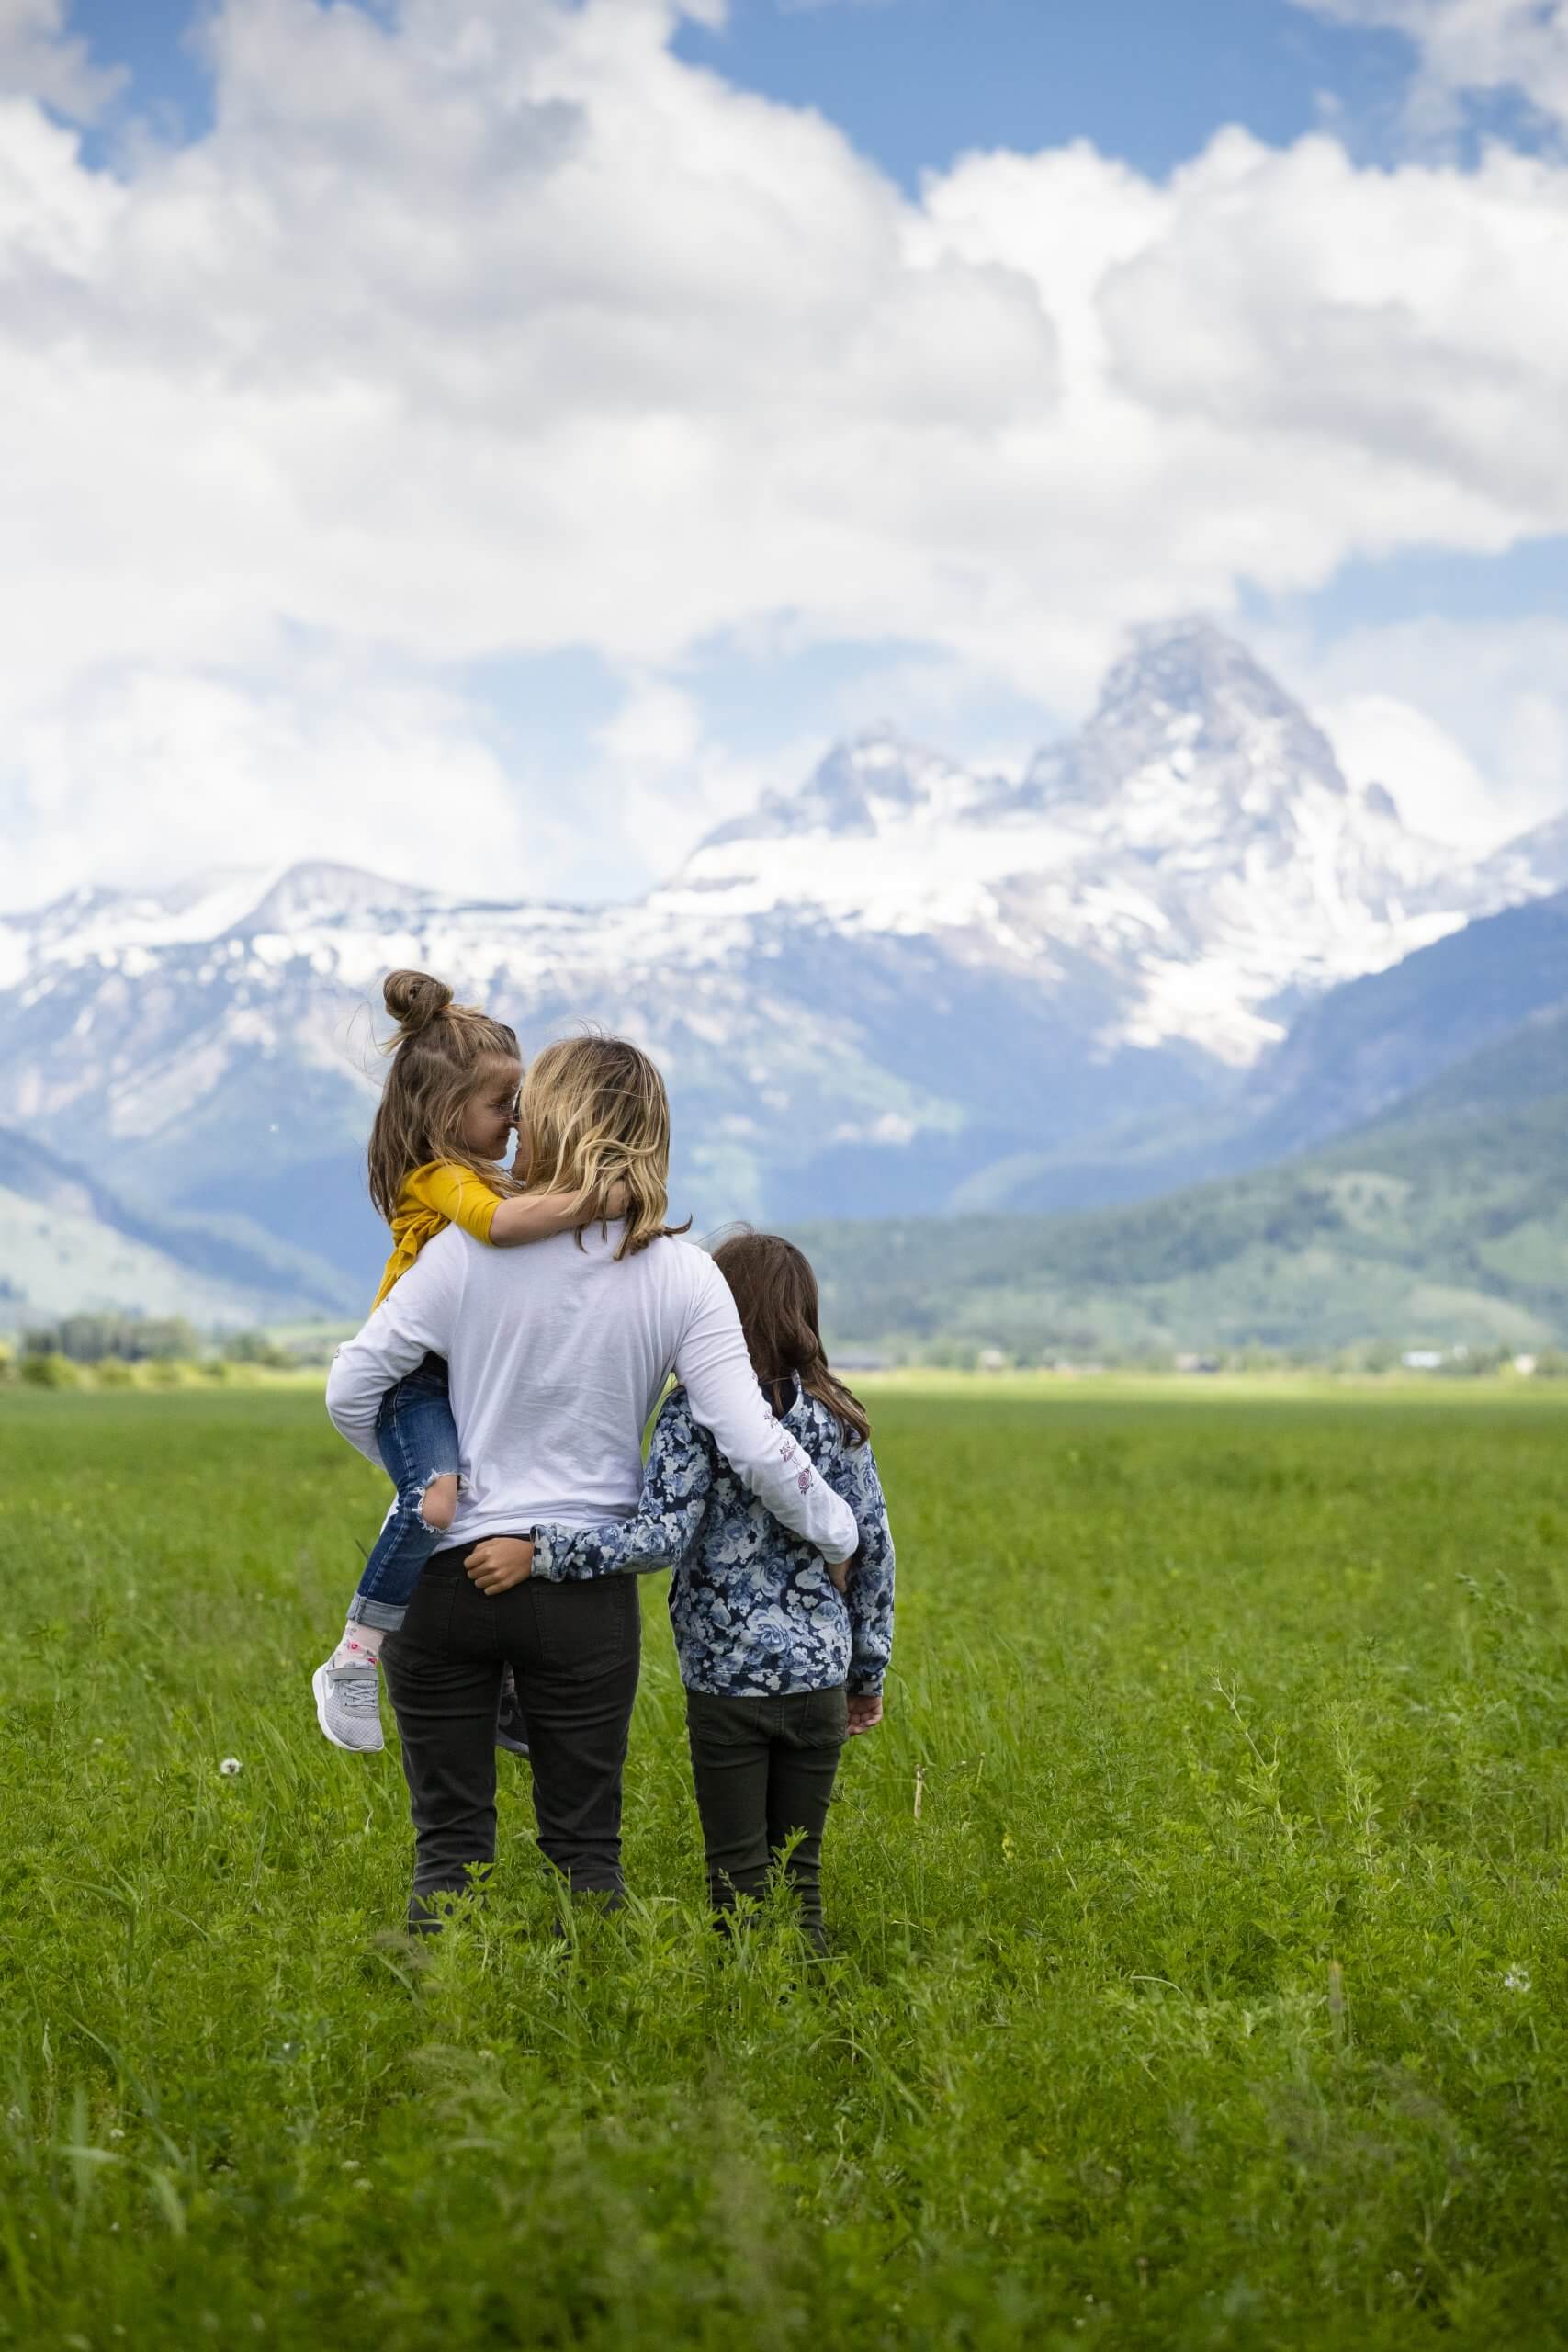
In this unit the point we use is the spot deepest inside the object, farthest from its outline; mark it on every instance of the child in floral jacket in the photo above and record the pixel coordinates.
(781, 1662)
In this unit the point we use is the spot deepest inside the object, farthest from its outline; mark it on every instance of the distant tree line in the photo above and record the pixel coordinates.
(147, 1339)
(125, 1339)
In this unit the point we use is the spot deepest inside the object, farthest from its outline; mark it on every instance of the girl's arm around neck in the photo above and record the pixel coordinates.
(538, 1216)
(665, 1525)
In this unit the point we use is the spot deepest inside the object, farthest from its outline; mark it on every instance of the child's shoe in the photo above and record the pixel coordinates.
(348, 1705)
(511, 1730)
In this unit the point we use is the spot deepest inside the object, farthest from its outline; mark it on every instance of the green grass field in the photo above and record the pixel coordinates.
(1201, 1974)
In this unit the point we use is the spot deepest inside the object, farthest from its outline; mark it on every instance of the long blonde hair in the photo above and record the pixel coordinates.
(595, 1114)
(440, 1058)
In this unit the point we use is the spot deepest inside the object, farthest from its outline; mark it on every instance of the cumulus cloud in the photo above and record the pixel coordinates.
(38, 58)
(159, 770)
(464, 334)
(1398, 318)
(1466, 722)
(1472, 45)
(1440, 792)
(660, 782)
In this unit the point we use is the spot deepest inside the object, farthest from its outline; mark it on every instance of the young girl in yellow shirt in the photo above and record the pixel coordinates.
(443, 1122)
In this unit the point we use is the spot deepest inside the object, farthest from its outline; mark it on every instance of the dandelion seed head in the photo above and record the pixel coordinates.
(229, 1767)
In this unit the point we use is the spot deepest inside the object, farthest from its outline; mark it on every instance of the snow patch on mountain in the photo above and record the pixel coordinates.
(1199, 833)
(902, 954)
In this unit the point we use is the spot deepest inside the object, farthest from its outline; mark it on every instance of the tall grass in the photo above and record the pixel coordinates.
(1200, 1974)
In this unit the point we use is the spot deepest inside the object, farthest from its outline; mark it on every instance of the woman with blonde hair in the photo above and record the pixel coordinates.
(556, 1357)
(442, 1128)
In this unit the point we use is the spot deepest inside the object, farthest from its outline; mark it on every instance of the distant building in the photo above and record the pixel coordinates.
(1422, 1360)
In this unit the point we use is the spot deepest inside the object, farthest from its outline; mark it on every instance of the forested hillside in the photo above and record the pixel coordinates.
(1447, 1223)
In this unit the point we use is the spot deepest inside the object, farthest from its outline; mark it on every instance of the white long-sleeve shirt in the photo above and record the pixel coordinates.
(557, 1356)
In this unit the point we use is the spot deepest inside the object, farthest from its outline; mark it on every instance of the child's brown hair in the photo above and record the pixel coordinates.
(775, 1295)
(440, 1058)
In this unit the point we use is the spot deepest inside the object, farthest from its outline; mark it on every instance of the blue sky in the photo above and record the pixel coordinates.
(981, 449)
(917, 81)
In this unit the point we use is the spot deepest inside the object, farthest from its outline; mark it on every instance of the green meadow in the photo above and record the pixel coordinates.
(1201, 1938)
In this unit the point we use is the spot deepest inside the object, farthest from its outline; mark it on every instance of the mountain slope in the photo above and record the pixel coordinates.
(1446, 1225)
(67, 1244)
(1372, 1049)
(1359, 1051)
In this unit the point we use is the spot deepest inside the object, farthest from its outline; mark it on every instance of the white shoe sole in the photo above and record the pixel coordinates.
(318, 1685)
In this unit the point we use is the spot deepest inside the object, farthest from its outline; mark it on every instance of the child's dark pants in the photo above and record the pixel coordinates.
(764, 1769)
(573, 1648)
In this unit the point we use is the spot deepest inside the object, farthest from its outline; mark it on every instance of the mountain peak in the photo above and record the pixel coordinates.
(1193, 737)
(317, 889)
(871, 783)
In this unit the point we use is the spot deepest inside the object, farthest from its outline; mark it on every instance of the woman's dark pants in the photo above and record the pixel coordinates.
(764, 1769)
(574, 1650)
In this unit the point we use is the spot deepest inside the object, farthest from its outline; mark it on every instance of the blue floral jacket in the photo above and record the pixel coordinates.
(754, 1610)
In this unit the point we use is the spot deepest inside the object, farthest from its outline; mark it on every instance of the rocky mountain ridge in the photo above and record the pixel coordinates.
(865, 996)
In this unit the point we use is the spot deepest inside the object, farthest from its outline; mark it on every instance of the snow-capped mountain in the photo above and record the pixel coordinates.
(1199, 833)
(861, 994)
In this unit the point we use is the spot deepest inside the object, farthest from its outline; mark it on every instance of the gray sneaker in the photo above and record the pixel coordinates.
(348, 1706)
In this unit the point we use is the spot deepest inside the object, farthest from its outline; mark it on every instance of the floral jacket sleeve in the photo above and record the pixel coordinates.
(675, 1488)
(754, 1608)
(870, 1593)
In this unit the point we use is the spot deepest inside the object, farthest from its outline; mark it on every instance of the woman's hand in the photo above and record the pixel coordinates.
(500, 1562)
(865, 1711)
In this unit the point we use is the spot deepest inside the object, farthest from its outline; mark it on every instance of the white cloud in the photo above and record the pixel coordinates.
(1471, 45)
(1465, 722)
(503, 330)
(1396, 321)
(157, 772)
(36, 58)
(661, 782)
(1382, 740)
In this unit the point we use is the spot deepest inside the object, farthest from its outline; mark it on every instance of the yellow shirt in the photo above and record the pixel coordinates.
(440, 1194)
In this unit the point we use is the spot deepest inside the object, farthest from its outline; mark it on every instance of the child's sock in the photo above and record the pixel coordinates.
(360, 1645)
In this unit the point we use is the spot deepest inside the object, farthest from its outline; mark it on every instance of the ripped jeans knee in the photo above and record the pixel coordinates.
(438, 1500)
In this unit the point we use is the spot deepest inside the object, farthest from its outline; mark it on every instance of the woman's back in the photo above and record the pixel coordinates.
(557, 1354)
(557, 1359)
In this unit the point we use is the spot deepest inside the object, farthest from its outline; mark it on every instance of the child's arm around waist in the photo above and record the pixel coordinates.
(667, 1520)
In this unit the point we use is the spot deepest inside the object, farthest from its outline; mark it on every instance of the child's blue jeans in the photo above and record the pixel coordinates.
(418, 1438)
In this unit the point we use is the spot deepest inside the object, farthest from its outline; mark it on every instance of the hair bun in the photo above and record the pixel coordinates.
(415, 998)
